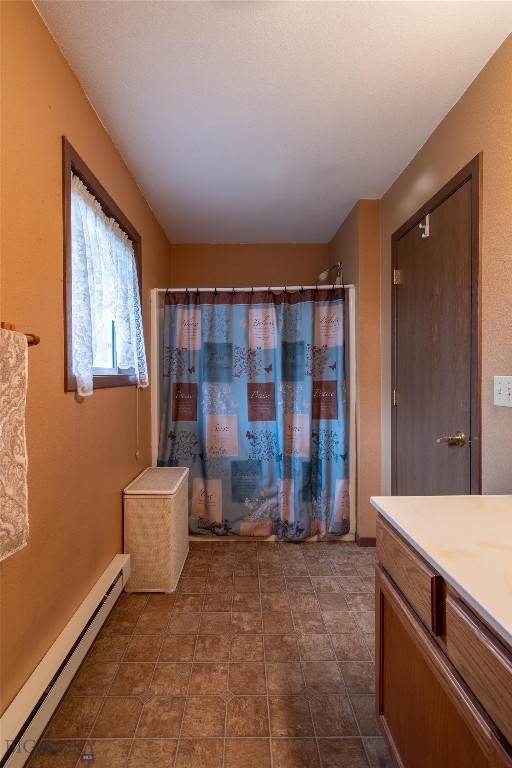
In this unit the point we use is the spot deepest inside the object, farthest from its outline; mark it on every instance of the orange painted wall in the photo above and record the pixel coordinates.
(357, 246)
(221, 266)
(481, 121)
(81, 455)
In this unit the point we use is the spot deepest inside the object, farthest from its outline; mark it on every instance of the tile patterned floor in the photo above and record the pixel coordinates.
(263, 658)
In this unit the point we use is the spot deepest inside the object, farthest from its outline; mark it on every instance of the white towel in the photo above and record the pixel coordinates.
(13, 450)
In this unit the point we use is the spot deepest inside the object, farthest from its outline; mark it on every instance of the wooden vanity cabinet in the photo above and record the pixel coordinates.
(444, 682)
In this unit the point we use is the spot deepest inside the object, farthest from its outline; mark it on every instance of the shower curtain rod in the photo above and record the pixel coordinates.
(329, 286)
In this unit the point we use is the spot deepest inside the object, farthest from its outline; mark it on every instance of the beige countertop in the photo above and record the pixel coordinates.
(468, 540)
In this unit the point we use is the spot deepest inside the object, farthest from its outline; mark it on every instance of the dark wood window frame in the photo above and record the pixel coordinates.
(72, 163)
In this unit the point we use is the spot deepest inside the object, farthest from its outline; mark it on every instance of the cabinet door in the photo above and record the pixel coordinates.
(427, 715)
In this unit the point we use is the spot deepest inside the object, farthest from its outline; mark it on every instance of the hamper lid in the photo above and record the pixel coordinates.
(157, 481)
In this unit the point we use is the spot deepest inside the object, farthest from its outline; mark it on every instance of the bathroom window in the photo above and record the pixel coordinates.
(104, 335)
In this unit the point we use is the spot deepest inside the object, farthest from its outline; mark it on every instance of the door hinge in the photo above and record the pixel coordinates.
(397, 277)
(395, 397)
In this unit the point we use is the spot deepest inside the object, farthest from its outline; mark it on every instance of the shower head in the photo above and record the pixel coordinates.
(324, 275)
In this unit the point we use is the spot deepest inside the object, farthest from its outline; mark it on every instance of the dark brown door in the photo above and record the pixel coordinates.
(435, 380)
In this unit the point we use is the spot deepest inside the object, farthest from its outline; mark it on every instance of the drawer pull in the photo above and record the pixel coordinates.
(436, 597)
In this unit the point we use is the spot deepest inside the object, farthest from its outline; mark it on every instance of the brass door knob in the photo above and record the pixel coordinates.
(459, 439)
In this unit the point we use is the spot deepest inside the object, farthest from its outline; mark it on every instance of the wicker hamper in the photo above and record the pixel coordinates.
(156, 528)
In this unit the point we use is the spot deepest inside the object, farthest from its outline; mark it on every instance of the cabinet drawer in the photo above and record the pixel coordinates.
(419, 583)
(483, 663)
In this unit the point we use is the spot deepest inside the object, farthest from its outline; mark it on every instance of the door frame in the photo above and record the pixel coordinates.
(471, 172)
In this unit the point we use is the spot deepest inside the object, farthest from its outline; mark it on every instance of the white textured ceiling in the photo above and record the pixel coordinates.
(266, 121)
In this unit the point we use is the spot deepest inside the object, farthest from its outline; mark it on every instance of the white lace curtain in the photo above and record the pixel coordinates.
(104, 277)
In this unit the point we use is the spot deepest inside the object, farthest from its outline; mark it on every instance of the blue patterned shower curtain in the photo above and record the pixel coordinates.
(254, 405)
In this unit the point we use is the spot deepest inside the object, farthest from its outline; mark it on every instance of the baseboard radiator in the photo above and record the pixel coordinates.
(23, 723)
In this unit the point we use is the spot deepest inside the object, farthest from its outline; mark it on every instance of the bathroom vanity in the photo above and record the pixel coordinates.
(444, 630)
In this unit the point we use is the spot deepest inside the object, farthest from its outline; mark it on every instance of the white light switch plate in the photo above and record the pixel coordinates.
(503, 390)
